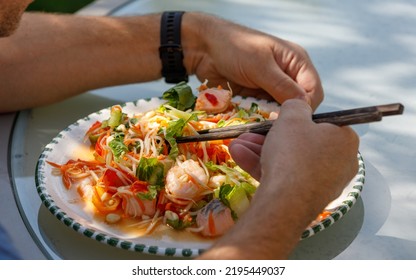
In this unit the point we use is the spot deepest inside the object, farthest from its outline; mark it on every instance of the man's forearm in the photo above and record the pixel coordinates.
(52, 57)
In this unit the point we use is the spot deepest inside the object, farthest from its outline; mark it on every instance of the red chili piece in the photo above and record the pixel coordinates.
(211, 98)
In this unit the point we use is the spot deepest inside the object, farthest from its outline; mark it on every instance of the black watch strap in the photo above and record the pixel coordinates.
(170, 49)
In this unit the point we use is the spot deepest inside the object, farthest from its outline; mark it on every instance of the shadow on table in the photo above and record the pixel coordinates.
(332, 241)
(382, 248)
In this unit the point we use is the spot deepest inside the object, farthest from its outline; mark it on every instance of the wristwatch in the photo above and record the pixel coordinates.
(170, 49)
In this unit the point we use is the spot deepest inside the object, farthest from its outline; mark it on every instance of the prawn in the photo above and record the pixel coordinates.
(187, 181)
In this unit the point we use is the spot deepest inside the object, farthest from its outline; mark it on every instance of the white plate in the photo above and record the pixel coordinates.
(71, 210)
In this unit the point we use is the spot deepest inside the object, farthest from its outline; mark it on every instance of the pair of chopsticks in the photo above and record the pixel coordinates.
(340, 118)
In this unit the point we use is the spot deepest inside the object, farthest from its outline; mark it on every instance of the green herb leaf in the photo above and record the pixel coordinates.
(151, 194)
(117, 146)
(221, 123)
(180, 96)
(173, 130)
(151, 171)
(179, 224)
(225, 190)
(253, 108)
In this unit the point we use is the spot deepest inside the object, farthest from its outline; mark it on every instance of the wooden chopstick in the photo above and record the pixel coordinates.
(340, 118)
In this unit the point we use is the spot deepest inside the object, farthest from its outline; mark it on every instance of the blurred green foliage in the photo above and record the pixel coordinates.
(58, 6)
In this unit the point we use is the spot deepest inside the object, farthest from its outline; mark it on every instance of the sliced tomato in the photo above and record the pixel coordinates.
(161, 201)
(99, 148)
(170, 206)
(111, 181)
(139, 186)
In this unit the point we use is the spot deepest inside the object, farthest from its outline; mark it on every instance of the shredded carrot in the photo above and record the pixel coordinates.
(54, 164)
(95, 126)
(141, 204)
(211, 224)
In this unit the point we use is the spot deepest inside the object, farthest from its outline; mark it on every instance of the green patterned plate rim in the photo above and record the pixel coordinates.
(63, 205)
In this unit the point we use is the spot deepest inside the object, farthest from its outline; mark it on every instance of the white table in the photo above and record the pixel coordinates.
(365, 52)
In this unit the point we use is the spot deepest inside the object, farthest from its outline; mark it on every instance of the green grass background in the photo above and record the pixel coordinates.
(58, 6)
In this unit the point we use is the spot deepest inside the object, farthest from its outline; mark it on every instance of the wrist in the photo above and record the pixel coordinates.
(193, 40)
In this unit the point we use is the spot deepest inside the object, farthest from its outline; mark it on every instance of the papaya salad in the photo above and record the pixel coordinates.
(140, 172)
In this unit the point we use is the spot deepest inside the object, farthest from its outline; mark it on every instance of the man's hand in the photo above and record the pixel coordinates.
(254, 63)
